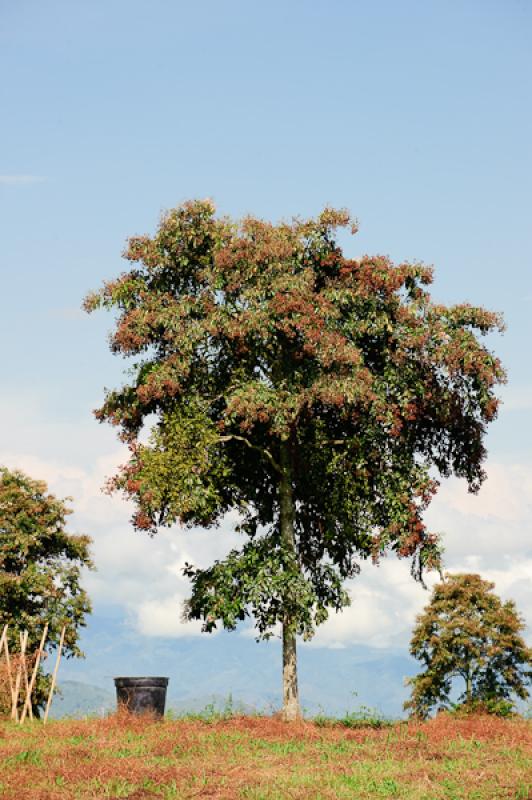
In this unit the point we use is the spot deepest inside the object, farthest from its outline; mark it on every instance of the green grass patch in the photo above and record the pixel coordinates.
(258, 758)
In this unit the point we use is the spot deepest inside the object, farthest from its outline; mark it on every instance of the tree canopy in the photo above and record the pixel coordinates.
(311, 392)
(40, 568)
(467, 632)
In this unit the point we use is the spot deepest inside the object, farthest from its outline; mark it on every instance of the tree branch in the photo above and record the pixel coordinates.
(261, 450)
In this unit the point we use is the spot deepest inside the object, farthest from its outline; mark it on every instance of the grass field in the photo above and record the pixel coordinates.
(480, 758)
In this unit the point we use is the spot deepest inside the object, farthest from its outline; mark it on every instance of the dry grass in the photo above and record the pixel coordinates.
(480, 758)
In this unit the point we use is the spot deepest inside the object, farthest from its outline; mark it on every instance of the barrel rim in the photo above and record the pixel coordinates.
(143, 681)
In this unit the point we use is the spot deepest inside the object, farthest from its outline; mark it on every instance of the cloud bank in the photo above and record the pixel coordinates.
(489, 533)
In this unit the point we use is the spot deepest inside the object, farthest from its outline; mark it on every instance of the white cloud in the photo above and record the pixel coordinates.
(164, 618)
(505, 497)
(139, 573)
(384, 602)
(489, 533)
(20, 180)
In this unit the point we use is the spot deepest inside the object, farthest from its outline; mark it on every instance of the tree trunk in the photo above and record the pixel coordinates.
(291, 707)
(469, 688)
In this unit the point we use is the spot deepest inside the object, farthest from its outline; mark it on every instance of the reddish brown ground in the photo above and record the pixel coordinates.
(243, 757)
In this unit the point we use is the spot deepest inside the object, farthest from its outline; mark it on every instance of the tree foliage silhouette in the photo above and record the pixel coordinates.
(467, 632)
(310, 392)
(40, 569)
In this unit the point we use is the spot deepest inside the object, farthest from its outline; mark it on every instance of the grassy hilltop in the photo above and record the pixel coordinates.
(261, 758)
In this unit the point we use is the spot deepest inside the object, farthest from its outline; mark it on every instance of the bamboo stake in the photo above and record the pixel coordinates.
(27, 704)
(54, 676)
(4, 634)
(25, 668)
(9, 672)
(16, 691)
(3, 639)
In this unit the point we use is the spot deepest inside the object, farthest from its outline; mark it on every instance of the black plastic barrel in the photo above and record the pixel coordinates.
(142, 695)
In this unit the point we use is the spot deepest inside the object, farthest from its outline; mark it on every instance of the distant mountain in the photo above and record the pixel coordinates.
(202, 667)
(331, 682)
(77, 699)
(208, 669)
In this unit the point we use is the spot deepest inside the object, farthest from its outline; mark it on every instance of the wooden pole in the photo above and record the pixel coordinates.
(4, 634)
(9, 672)
(25, 667)
(3, 641)
(27, 704)
(54, 676)
(2, 638)
(16, 691)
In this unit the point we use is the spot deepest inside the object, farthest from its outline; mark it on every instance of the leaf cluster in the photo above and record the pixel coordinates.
(261, 579)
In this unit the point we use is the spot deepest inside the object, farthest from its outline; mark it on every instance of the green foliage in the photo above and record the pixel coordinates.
(466, 631)
(214, 711)
(263, 577)
(362, 717)
(499, 706)
(40, 565)
(308, 392)
(180, 474)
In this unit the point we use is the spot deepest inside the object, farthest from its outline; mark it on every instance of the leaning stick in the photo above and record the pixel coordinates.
(4, 634)
(54, 676)
(25, 668)
(27, 704)
(8, 667)
(14, 710)
(2, 639)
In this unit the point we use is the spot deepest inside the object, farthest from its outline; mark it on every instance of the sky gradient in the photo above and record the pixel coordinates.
(414, 115)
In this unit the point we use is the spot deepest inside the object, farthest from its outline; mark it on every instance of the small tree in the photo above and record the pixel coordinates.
(309, 392)
(40, 566)
(467, 632)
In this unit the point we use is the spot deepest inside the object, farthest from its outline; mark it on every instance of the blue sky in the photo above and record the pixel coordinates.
(415, 115)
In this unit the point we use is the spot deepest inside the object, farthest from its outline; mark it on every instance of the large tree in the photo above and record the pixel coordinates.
(467, 632)
(311, 392)
(40, 570)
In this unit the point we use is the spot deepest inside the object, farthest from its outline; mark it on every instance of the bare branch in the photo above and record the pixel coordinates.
(261, 450)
